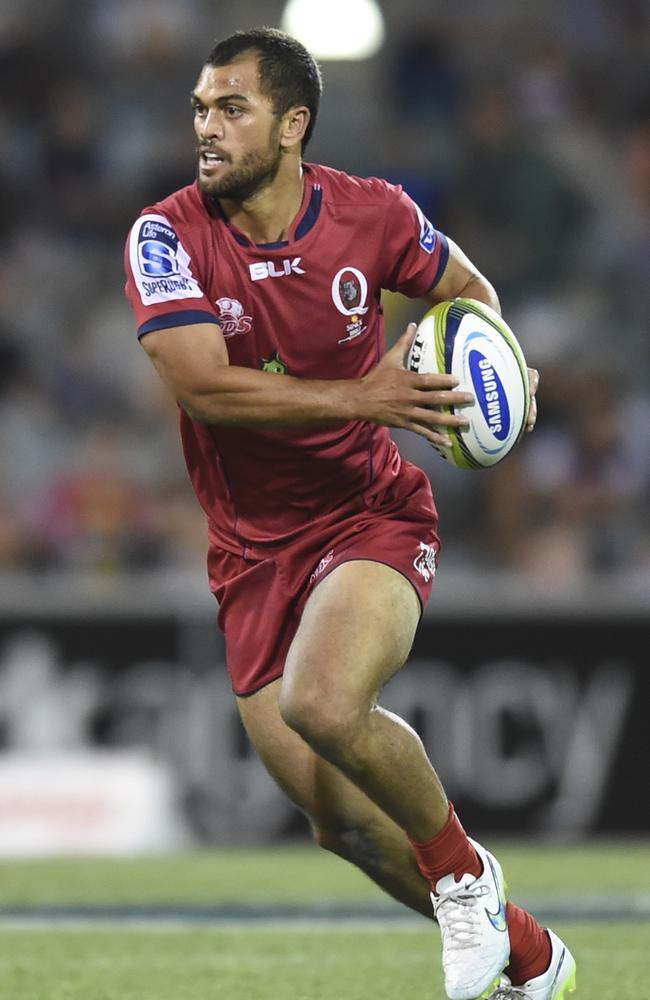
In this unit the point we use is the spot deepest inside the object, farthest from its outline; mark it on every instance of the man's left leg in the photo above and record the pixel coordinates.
(355, 633)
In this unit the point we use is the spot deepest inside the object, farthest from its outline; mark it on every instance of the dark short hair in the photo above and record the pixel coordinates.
(289, 75)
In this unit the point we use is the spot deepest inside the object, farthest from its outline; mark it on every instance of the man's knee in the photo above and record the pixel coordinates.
(329, 725)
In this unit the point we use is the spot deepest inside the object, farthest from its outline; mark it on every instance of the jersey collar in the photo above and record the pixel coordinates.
(304, 221)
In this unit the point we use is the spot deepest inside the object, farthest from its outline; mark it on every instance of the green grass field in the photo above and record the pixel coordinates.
(294, 960)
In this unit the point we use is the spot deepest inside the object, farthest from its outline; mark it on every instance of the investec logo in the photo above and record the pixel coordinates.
(268, 269)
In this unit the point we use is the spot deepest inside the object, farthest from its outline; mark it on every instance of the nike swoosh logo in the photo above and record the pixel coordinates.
(498, 919)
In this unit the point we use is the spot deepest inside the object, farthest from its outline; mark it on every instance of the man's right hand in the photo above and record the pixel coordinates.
(395, 397)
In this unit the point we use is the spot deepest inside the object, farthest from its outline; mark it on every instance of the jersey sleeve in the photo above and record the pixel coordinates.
(161, 278)
(416, 252)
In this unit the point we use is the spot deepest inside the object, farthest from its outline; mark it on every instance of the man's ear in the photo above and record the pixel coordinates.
(293, 127)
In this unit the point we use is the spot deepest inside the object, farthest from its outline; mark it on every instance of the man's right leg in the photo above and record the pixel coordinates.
(343, 819)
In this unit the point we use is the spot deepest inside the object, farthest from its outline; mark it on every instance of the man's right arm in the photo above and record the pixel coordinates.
(193, 362)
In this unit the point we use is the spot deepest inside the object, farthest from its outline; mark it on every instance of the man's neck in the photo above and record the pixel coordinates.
(267, 216)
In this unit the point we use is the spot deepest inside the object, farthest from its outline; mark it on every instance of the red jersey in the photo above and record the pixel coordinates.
(309, 307)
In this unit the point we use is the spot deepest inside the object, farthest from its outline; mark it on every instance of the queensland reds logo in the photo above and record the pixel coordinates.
(350, 291)
(349, 294)
(231, 317)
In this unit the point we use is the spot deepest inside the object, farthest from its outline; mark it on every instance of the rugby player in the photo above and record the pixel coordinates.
(256, 292)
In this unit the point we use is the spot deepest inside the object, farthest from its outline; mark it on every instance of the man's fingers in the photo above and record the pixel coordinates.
(433, 437)
(434, 417)
(447, 397)
(533, 382)
(433, 380)
(532, 416)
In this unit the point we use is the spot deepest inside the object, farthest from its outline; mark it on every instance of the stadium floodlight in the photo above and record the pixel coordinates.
(339, 29)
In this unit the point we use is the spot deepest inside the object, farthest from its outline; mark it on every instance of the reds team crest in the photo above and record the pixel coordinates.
(349, 294)
(231, 317)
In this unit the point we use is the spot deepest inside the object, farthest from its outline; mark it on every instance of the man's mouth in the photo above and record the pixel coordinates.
(210, 158)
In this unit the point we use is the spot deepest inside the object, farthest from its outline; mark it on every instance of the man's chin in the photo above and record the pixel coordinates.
(214, 188)
(208, 185)
(237, 185)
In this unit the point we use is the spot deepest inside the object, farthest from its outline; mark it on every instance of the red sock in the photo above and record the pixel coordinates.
(449, 852)
(530, 946)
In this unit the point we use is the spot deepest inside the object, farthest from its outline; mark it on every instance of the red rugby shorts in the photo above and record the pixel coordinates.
(262, 591)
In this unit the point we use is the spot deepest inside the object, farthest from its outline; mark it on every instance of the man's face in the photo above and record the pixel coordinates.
(238, 134)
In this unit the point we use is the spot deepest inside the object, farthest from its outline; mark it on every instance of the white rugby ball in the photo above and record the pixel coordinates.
(468, 339)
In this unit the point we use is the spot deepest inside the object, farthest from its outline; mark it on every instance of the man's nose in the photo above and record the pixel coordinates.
(212, 125)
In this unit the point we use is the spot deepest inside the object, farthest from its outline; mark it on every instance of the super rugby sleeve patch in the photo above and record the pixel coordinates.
(418, 251)
(427, 232)
(160, 265)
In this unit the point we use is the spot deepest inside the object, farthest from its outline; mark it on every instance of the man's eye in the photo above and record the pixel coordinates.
(232, 111)
(198, 109)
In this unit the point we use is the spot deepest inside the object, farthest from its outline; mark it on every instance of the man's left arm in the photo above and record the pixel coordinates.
(460, 279)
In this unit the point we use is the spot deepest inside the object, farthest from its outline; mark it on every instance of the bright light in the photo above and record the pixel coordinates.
(336, 29)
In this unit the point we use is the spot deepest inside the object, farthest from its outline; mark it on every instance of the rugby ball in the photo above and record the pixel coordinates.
(468, 339)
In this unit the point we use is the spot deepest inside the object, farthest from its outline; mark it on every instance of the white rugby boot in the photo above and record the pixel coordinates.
(472, 918)
(558, 980)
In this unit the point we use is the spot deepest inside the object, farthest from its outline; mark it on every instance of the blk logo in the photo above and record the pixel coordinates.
(275, 269)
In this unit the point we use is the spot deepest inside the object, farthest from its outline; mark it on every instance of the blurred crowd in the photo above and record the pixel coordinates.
(524, 135)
